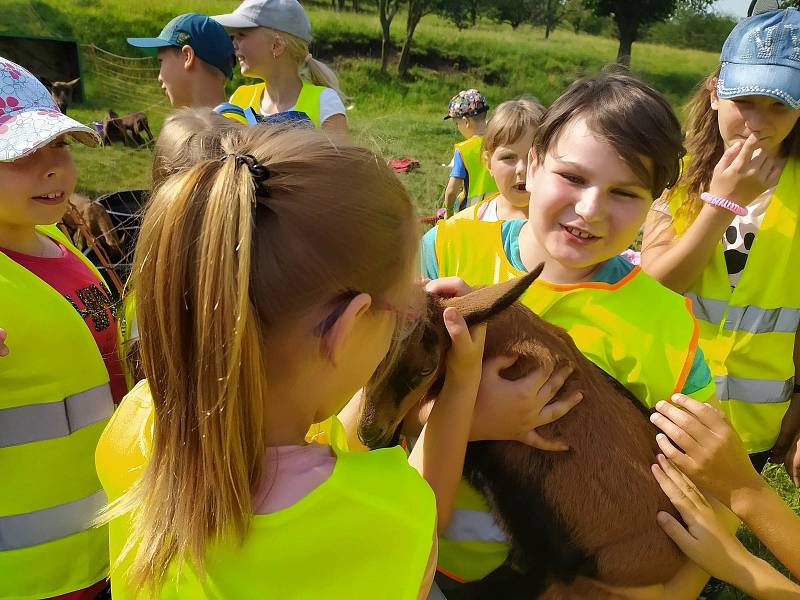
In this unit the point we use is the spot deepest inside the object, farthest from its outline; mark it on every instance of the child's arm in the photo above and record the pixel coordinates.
(439, 452)
(711, 544)
(743, 173)
(455, 185)
(787, 447)
(713, 456)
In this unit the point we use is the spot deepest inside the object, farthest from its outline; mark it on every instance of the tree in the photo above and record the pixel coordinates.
(416, 10)
(549, 13)
(387, 9)
(513, 12)
(630, 17)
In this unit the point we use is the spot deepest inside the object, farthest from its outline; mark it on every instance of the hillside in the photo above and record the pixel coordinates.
(398, 117)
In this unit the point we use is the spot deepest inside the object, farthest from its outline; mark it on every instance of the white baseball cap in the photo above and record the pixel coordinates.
(283, 15)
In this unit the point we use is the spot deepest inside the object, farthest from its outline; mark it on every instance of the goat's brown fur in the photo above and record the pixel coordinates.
(586, 513)
(133, 126)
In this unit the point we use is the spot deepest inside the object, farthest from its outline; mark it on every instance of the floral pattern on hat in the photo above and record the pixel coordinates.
(29, 116)
(467, 103)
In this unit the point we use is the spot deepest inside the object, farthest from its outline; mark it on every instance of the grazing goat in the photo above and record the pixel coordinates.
(62, 92)
(133, 126)
(575, 517)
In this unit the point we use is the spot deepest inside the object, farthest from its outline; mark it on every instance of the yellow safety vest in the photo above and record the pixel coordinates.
(638, 331)
(748, 334)
(249, 96)
(481, 181)
(55, 402)
(366, 532)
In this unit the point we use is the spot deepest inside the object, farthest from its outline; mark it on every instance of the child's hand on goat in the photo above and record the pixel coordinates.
(512, 410)
(466, 352)
(447, 287)
(704, 538)
(712, 453)
(3, 347)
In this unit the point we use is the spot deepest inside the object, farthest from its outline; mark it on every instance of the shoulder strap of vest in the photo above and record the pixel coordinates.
(248, 96)
(308, 101)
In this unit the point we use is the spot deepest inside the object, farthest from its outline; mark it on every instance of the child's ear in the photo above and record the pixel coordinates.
(485, 156)
(482, 304)
(334, 340)
(533, 164)
(712, 91)
(187, 52)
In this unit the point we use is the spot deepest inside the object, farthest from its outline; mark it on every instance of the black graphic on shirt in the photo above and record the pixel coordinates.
(736, 258)
(96, 306)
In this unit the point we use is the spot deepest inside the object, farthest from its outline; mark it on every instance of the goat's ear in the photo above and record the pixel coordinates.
(479, 306)
(74, 82)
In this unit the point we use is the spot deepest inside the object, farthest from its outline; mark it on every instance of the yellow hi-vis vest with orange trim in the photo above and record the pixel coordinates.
(480, 181)
(748, 334)
(366, 532)
(249, 96)
(55, 401)
(636, 330)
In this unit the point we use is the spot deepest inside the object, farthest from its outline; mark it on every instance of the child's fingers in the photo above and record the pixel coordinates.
(533, 439)
(448, 287)
(673, 491)
(746, 151)
(686, 485)
(708, 415)
(672, 453)
(683, 419)
(677, 532)
(556, 410)
(729, 156)
(676, 432)
(500, 362)
(456, 327)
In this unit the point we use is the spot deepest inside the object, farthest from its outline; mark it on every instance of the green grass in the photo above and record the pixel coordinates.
(397, 117)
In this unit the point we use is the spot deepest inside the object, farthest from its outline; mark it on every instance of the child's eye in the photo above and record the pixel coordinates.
(626, 194)
(576, 179)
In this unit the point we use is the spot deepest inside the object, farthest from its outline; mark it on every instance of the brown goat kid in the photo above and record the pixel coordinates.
(588, 514)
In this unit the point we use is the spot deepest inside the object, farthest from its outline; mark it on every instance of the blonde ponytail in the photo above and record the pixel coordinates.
(217, 267)
(318, 71)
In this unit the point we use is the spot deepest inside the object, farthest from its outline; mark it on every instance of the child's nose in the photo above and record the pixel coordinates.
(590, 204)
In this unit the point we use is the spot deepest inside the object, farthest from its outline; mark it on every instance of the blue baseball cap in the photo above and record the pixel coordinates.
(761, 57)
(209, 40)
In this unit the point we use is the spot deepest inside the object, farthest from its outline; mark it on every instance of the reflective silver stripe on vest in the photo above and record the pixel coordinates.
(36, 422)
(750, 319)
(707, 309)
(754, 391)
(762, 320)
(46, 525)
(474, 526)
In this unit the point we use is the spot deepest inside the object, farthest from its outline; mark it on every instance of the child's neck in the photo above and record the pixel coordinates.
(26, 240)
(208, 92)
(532, 254)
(282, 90)
(506, 211)
(476, 129)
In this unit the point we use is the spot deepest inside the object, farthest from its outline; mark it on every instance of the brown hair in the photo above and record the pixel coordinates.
(510, 121)
(189, 135)
(627, 114)
(705, 147)
(218, 265)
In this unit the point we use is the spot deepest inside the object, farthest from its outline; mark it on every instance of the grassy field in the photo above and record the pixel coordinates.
(397, 117)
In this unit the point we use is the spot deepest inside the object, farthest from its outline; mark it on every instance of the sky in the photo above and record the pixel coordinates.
(736, 8)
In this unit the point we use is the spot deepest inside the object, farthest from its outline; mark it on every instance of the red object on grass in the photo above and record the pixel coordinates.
(404, 165)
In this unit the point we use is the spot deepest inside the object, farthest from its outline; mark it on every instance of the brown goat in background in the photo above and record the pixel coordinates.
(62, 92)
(588, 514)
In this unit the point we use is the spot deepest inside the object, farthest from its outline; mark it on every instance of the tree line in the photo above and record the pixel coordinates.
(685, 23)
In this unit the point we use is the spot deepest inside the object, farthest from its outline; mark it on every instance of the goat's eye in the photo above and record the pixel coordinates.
(427, 371)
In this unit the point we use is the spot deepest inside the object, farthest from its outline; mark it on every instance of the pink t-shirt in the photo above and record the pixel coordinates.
(69, 276)
(290, 474)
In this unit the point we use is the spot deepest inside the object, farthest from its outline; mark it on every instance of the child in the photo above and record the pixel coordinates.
(603, 151)
(255, 324)
(715, 458)
(62, 375)
(470, 181)
(195, 56)
(742, 183)
(508, 140)
(271, 39)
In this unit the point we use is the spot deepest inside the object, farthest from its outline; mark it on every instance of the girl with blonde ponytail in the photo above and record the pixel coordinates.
(266, 297)
(271, 39)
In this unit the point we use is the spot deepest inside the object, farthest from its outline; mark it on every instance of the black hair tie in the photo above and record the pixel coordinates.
(260, 173)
